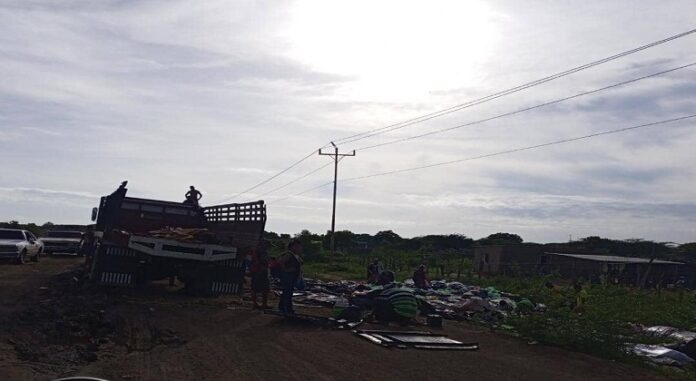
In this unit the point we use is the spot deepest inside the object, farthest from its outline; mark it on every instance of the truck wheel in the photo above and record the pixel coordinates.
(22, 259)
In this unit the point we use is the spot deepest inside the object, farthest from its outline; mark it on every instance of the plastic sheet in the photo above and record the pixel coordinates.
(670, 333)
(662, 355)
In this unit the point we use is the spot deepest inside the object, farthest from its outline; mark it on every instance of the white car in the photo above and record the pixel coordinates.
(19, 245)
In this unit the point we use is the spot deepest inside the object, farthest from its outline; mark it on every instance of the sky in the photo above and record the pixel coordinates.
(224, 94)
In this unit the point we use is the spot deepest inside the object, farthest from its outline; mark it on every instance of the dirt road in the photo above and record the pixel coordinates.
(55, 327)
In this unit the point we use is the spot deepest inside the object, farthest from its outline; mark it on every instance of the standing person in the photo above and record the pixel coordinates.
(274, 267)
(259, 275)
(193, 196)
(680, 284)
(87, 246)
(373, 270)
(121, 191)
(556, 295)
(291, 268)
(385, 277)
(420, 278)
(580, 299)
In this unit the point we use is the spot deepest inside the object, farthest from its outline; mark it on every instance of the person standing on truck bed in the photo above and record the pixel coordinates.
(291, 268)
(121, 191)
(193, 196)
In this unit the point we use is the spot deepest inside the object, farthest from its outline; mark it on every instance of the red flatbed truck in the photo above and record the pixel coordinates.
(126, 253)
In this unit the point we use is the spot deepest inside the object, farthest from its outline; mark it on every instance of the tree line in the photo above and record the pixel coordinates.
(348, 242)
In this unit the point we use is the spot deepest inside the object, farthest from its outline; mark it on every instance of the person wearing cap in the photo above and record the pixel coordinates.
(291, 267)
(193, 196)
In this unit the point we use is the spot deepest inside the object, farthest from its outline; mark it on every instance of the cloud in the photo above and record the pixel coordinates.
(172, 93)
(47, 195)
(251, 170)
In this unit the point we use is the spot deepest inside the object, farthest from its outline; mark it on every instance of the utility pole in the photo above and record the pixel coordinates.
(335, 156)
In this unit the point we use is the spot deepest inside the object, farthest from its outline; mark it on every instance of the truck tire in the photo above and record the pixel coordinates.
(22, 258)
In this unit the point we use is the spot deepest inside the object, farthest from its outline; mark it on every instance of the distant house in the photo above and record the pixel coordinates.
(508, 259)
(358, 247)
(534, 259)
(626, 270)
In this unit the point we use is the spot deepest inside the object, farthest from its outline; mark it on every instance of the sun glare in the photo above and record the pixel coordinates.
(395, 50)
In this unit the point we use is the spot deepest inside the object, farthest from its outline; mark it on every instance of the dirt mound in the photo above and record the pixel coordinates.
(70, 324)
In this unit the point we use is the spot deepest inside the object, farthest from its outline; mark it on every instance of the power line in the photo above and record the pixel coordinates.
(499, 153)
(526, 109)
(297, 179)
(268, 179)
(306, 190)
(300, 193)
(527, 148)
(301, 177)
(468, 104)
(423, 118)
(489, 119)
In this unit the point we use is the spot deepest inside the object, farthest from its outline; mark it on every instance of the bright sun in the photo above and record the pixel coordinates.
(395, 50)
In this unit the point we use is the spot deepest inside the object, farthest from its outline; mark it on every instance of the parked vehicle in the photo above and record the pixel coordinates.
(19, 245)
(61, 242)
(127, 252)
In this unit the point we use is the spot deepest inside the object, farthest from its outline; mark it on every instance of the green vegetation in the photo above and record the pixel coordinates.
(608, 323)
(603, 329)
(32, 227)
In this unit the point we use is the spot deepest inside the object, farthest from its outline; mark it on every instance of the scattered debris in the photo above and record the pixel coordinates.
(670, 333)
(329, 322)
(298, 317)
(450, 300)
(414, 339)
(662, 355)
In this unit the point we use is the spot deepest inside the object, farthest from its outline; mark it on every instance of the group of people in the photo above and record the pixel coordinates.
(387, 303)
(392, 302)
(287, 268)
(375, 270)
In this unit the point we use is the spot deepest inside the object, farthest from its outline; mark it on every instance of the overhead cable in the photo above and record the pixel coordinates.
(423, 118)
(499, 153)
(525, 109)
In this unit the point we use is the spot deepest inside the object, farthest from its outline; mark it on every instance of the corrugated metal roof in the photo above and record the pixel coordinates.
(615, 259)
